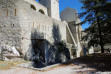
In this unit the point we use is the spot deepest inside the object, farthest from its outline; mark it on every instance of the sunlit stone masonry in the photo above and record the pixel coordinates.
(36, 31)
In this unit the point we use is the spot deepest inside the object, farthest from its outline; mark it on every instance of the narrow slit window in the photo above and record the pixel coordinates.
(12, 25)
(15, 12)
(7, 12)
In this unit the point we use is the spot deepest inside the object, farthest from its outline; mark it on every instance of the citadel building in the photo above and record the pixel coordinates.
(33, 27)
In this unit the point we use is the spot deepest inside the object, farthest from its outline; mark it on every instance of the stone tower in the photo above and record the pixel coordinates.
(53, 8)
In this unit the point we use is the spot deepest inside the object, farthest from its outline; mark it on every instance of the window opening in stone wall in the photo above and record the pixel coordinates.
(4, 25)
(41, 11)
(15, 12)
(7, 12)
(12, 25)
(22, 38)
(33, 7)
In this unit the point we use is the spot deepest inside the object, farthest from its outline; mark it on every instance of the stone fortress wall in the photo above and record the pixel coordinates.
(35, 28)
(10, 28)
(19, 20)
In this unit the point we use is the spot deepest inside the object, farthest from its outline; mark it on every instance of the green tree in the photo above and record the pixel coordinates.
(97, 13)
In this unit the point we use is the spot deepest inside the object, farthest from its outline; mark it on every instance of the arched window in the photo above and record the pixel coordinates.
(41, 11)
(33, 7)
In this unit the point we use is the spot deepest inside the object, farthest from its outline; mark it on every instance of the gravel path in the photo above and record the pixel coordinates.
(59, 70)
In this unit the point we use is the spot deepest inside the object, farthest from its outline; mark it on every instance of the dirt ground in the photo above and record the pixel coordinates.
(69, 69)
(91, 64)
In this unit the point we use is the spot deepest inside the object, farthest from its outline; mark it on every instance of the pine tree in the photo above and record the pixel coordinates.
(97, 13)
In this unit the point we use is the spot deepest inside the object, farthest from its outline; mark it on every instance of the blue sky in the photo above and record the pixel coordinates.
(72, 4)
